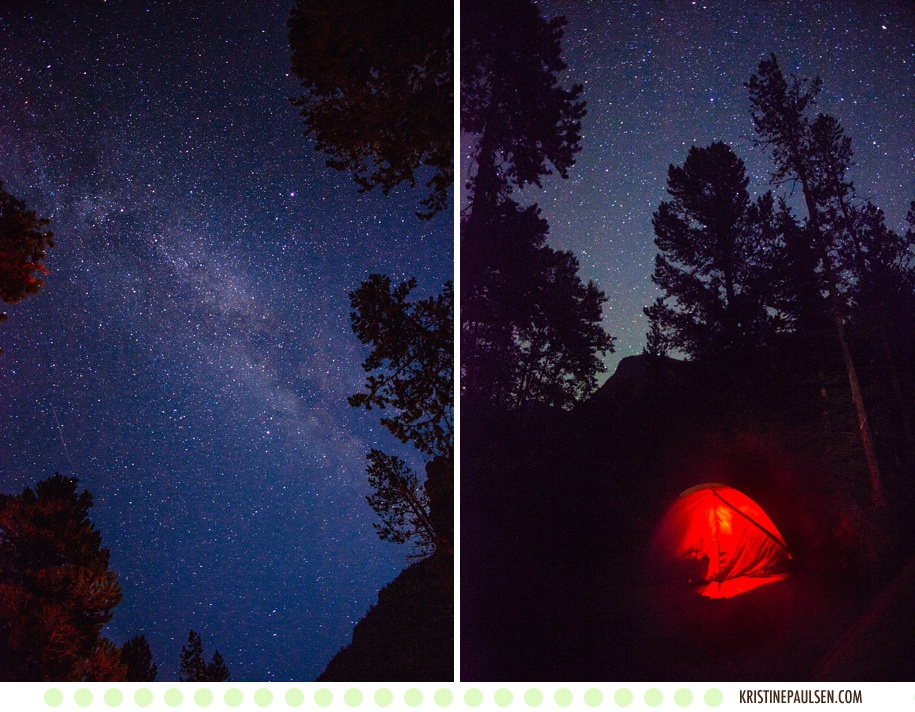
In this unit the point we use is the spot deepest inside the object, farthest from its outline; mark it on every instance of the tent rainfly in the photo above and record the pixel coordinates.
(718, 537)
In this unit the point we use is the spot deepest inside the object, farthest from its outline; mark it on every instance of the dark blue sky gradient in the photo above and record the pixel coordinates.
(190, 356)
(661, 76)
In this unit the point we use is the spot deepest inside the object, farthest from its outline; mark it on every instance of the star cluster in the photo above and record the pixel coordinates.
(190, 355)
(660, 77)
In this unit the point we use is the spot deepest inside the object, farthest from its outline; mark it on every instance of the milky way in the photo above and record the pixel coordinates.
(660, 77)
(190, 355)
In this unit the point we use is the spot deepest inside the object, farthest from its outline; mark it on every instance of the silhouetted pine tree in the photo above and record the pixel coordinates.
(192, 666)
(522, 119)
(816, 154)
(530, 328)
(56, 592)
(217, 670)
(716, 259)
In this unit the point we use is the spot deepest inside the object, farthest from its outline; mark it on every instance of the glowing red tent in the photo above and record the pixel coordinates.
(720, 537)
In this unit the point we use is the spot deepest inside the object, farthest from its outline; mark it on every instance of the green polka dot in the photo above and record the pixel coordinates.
(233, 697)
(323, 697)
(173, 697)
(294, 697)
(623, 697)
(143, 697)
(353, 697)
(443, 697)
(563, 697)
(683, 697)
(203, 697)
(593, 697)
(53, 697)
(533, 697)
(653, 697)
(713, 697)
(113, 697)
(473, 697)
(263, 697)
(383, 697)
(413, 697)
(83, 697)
(503, 697)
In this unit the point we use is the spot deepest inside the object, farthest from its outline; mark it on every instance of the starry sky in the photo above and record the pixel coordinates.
(190, 355)
(661, 76)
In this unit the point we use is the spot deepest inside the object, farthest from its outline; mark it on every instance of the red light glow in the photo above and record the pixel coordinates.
(717, 536)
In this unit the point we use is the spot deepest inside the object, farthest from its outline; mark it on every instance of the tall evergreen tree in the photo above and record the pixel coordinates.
(217, 671)
(56, 592)
(716, 259)
(531, 328)
(882, 317)
(137, 656)
(523, 120)
(816, 154)
(193, 668)
(378, 89)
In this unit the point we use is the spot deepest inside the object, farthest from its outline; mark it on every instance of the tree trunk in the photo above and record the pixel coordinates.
(863, 428)
(867, 442)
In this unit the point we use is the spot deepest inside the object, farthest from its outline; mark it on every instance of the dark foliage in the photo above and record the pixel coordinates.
(24, 241)
(531, 330)
(408, 635)
(511, 100)
(716, 261)
(217, 671)
(378, 78)
(137, 656)
(56, 592)
(411, 365)
(779, 111)
(409, 511)
(411, 371)
(400, 502)
(816, 154)
(193, 668)
(105, 664)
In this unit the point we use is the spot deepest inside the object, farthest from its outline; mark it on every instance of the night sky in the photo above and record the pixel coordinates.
(660, 77)
(190, 355)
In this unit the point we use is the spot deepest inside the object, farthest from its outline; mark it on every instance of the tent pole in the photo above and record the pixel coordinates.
(718, 576)
(753, 522)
